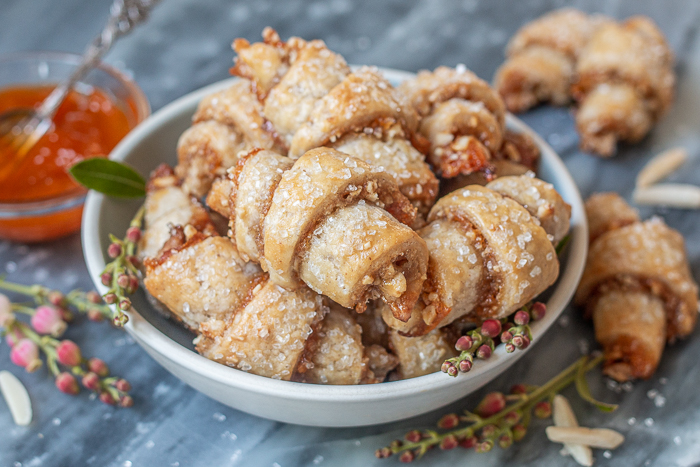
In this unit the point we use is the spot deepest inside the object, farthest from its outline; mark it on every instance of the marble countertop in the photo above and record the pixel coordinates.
(186, 45)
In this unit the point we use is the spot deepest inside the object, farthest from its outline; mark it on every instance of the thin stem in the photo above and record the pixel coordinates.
(30, 290)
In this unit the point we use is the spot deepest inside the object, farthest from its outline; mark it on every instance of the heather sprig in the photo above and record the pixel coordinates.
(498, 420)
(121, 274)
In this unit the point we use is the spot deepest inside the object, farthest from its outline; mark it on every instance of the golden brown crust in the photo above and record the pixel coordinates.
(422, 355)
(637, 286)
(364, 99)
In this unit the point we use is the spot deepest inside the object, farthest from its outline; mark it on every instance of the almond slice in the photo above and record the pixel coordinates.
(563, 415)
(602, 438)
(661, 166)
(675, 195)
(17, 398)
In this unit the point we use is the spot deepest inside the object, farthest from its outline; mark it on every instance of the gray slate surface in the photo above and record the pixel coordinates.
(186, 46)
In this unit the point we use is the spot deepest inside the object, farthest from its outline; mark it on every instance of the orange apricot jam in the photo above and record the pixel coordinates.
(86, 125)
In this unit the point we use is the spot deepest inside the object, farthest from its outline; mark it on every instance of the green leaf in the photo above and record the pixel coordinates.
(111, 178)
(562, 244)
(585, 392)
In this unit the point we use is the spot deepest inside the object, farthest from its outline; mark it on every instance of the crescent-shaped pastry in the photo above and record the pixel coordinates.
(167, 204)
(267, 335)
(637, 286)
(334, 353)
(225, 123)
(190, 282)
(463, 118)
(488, 257)
(625, 82)
(542, 58)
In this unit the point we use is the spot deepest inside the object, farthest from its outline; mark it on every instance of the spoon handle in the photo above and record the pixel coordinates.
(124, 15)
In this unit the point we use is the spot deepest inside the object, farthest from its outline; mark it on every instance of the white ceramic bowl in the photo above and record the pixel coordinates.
(153, 142)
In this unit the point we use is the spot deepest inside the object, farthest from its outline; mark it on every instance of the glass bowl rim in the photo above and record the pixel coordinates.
(73, 198)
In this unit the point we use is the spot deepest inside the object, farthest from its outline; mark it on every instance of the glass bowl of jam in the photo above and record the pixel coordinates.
(39, 200)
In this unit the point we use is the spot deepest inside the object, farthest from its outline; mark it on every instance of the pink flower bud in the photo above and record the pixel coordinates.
(543, 409)
(111, 298)
(452, 370)
(133, 260)
(95, 315)
(511, 418)
(505, 441)
(464, 343)
(98, 366)
(519, 432)
(133, 234)
(126, 401)
(446, 366)
(133, 284)
(120, 320)
(93, 297)
(48, 319)
(56, 298)
(518, 389)
(469, 442)
(122, 385)
(123, 280)
(538, 311)
(413, 436)
(518, 340)
(25, 353)
(506, 336)
(491, 328)
(510, 348)
(125, 305)
(488, 431)
(396, 444)
(449, 442)
(526, 343)
(66, 383)
(407, 457)
(68, 353)
(491, 404)
(106, 278)
(521, 318)
(13, 337)
(107, 398)
(6, 314)
(465, 365)
(449, 421)
(91, 381)
(484, 352)
(114, 250)
(382, 453)
(485, 446)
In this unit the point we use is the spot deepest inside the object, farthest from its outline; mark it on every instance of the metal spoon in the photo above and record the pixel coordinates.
(20, 129)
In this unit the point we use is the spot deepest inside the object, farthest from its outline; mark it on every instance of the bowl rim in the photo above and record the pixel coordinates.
(76, 197)
(148, 336)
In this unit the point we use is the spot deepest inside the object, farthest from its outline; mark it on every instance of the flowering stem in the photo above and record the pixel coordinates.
(496, 425)
(121, 273)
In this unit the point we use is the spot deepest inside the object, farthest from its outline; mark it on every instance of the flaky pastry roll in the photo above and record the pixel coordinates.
(167, 205)
(422, 355)
(638, 288)
(462, 117)
(625, 82)
(331, 222)
(488, 255)
(541, 59)
(267, 334)
(225, 123)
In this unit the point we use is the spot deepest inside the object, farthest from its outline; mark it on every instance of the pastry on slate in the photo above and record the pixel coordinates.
(625, 82)
(489, 254)
(225, 123)
(330, 221)
(311, 99)
(541, 59)
(637, 287)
